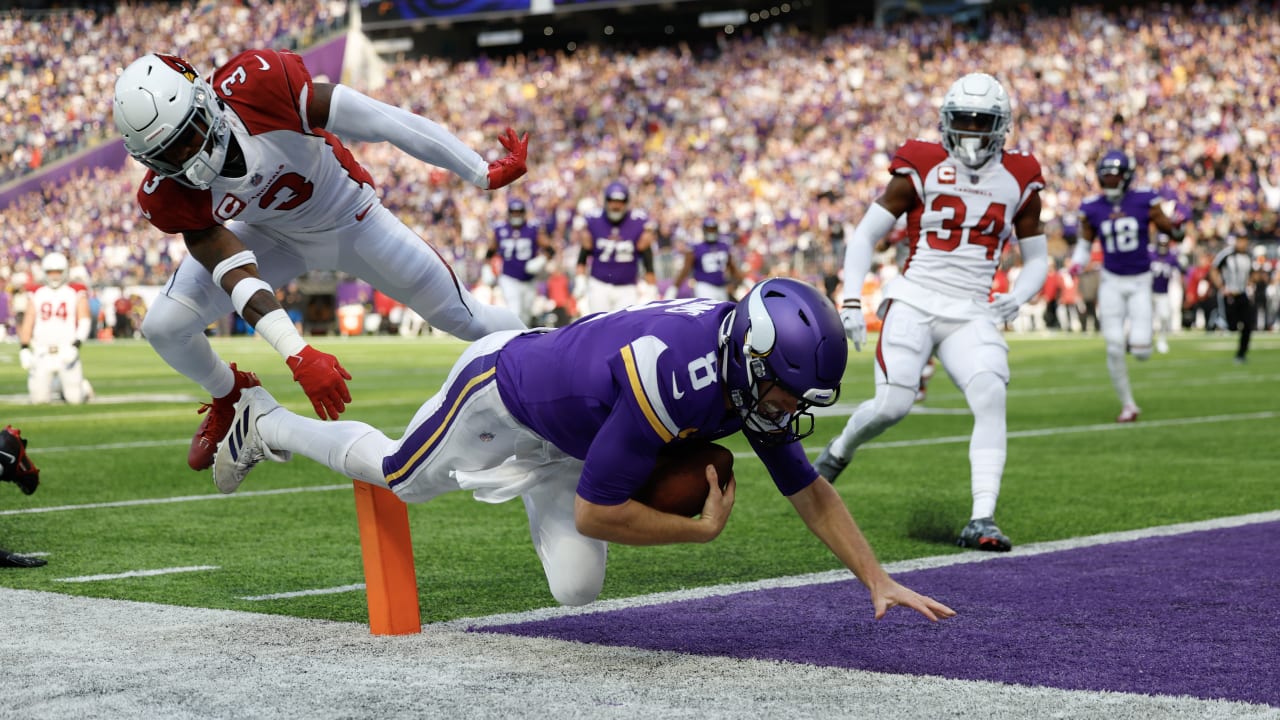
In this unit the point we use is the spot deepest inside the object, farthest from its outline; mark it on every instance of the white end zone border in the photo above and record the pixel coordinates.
(74, 656)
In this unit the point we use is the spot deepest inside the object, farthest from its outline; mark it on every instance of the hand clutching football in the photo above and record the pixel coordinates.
(678, 483)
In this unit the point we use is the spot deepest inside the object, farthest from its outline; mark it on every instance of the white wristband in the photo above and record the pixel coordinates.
(245, 289)
(277, 329)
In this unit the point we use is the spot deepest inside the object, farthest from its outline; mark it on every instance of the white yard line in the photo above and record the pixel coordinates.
(179, 499)
(306, 593)
(136, 573)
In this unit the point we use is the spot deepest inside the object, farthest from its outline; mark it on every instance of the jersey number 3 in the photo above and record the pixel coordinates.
(954, 232)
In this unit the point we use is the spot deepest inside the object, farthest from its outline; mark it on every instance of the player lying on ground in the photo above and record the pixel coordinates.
(572, 422)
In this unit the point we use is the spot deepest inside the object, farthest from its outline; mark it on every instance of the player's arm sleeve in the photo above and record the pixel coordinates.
(1080, 255)
(357, 116)
(875, 224)
(646, 259)
(1035, 268)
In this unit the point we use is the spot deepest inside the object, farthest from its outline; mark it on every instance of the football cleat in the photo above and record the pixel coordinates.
(243, 448)
(830, 465)
(218, 420)
(982, 534)
(1128, 413)
(1162, 346)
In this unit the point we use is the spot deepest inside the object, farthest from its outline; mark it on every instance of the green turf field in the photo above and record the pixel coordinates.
(120, 497)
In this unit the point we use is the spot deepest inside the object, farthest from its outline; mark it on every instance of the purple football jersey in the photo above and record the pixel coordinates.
(1123, 229)
(709, 262)
(1162, 268)
(517, 246)
(614, 258)
(613, 388)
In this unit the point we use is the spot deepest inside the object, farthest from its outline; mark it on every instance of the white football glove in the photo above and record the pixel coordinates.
(1005, 307)
(26, 358)
(580, 286)
(855, 326)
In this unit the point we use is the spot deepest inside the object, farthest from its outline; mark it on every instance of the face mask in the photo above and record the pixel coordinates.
(203, 167)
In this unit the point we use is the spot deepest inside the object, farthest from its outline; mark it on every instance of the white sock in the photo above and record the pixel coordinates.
(351, 448)
(987, 446)
(1119, 376)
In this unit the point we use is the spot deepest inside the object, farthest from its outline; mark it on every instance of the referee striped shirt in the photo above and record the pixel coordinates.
(1234, 267)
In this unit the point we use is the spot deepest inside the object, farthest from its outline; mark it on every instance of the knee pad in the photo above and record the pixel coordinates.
(576, 589)
(169, 321)
(892, 403)
(986, 394)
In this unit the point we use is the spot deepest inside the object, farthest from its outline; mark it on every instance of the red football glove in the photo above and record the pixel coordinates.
(323, 380)
(509, 169)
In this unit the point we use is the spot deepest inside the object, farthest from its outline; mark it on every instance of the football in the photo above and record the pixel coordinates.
(678, 483)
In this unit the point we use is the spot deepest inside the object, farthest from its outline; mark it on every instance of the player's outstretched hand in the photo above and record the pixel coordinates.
(323, 379)
(892, 593)
(507, 170)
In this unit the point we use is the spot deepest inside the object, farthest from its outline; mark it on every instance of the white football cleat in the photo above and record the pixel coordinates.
(242, 448)
(1128, 413)
(1162, 346)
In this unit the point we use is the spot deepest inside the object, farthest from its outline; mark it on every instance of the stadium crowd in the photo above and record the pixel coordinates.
(783, 136)
(60, 64)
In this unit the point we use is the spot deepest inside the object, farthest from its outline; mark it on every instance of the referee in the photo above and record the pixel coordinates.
(1230, 275)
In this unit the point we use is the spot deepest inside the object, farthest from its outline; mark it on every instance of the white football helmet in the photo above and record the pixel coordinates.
(54, 262)
(975, 97)
(161, 100)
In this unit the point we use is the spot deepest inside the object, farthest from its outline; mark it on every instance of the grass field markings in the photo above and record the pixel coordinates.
(830, 576)
(306, 593)
(178, 499)
(917, 442)
(137, 573)
(83, 417)
(1068, 429)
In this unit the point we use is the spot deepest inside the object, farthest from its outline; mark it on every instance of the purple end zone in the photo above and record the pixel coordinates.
(1195, 614)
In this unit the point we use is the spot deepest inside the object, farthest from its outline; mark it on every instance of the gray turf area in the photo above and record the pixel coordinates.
(72, 657)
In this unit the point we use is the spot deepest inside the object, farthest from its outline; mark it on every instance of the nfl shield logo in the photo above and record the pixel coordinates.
(256, 180)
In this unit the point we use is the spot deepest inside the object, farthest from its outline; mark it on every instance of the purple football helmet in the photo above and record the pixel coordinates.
(710, 229)
(615, 192)
(1115, 162)
(783, 332)
(516, 212)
